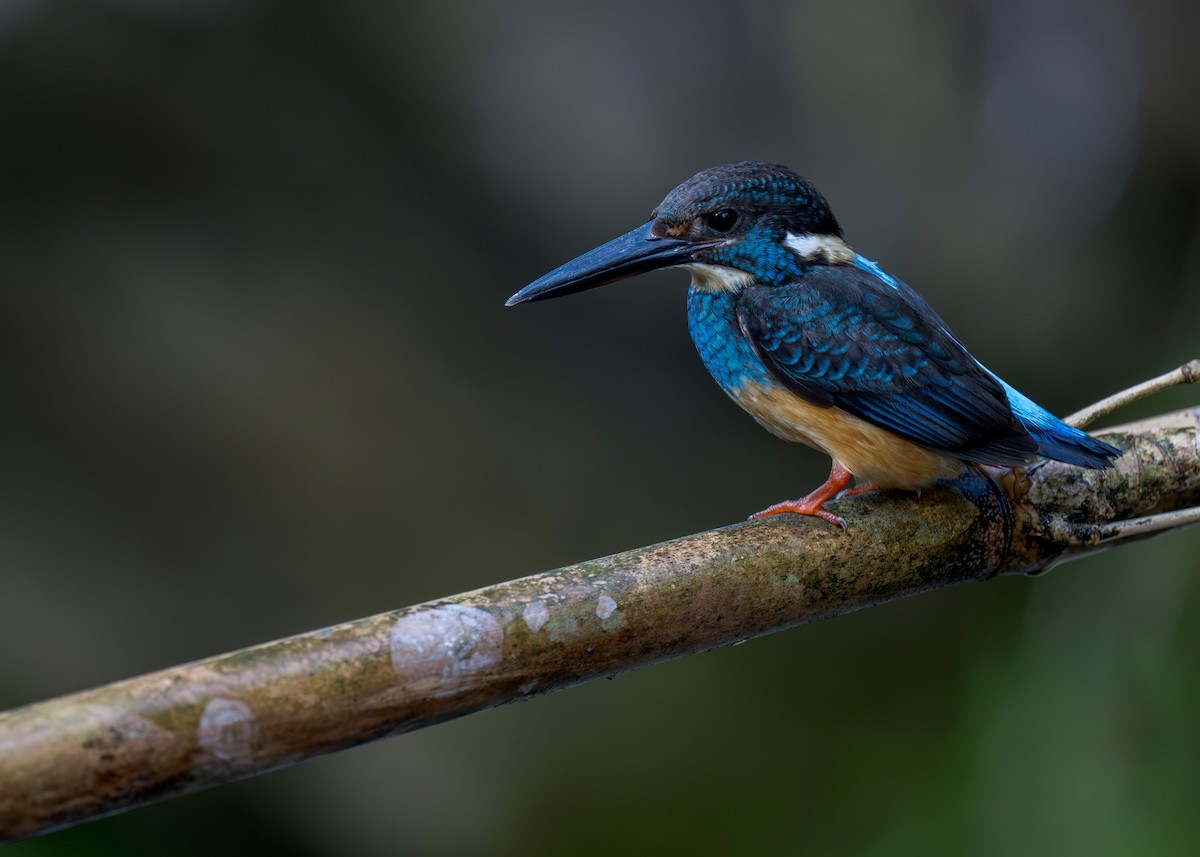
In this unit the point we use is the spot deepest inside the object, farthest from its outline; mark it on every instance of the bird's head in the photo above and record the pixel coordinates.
(731, 226)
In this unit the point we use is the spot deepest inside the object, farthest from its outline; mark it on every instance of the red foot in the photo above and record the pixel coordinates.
(813, 504)
(864, 488)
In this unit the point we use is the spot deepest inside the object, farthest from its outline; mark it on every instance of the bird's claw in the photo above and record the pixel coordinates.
(801, 507)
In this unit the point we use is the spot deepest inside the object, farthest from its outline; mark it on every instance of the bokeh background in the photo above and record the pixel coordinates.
(256, 378)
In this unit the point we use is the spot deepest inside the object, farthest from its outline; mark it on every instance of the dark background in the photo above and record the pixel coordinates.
(256, 378)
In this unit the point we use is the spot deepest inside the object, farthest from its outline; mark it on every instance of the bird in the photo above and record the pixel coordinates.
(820, 344)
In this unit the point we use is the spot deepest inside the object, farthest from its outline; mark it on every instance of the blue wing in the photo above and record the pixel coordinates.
(839, 336)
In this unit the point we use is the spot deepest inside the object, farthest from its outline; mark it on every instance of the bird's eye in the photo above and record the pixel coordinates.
(721, 221)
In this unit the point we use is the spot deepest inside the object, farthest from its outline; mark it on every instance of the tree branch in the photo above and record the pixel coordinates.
(235, 715)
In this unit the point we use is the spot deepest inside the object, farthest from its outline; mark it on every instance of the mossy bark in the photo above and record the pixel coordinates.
(231, 716)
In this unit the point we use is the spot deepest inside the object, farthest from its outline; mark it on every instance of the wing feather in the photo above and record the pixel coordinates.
(839, 336)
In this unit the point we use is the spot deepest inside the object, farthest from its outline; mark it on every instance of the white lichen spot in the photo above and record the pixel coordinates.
(445, 641)
(126, 738)
(134, 728)
(228, 728)
(536, 615)
(605, 607)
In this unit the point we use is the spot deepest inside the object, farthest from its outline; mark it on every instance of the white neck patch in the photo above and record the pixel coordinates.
(717, 278)
(819, 248)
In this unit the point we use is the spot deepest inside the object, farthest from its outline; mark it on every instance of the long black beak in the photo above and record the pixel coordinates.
(633, 253)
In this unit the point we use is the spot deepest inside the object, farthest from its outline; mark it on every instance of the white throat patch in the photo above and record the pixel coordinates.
(717, 278)
(819, 248)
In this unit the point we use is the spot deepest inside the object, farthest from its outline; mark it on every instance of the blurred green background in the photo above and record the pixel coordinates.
(256, 378)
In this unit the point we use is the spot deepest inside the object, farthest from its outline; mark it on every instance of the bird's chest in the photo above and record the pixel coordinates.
(712, 322)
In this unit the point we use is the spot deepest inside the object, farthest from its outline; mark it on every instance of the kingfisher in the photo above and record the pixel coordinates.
(820, 344)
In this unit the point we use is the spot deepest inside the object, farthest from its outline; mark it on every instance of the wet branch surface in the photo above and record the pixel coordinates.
(213, 721)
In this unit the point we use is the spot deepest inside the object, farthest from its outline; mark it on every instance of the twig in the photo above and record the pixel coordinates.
(1086, 538)
(1188, 373)
(1150, 525)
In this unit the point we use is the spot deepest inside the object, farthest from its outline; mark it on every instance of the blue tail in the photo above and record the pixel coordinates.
(1056, 439)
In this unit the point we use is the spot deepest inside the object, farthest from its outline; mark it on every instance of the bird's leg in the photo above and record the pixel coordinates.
(813, 504)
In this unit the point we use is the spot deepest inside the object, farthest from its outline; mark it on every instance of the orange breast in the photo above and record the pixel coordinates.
(872, 454)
